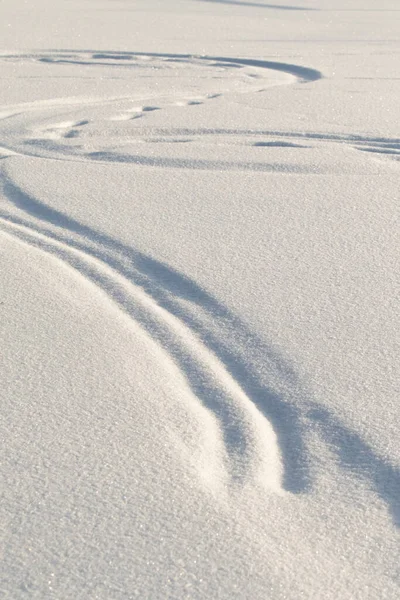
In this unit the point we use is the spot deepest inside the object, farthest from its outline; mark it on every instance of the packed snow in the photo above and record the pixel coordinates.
(199, 299)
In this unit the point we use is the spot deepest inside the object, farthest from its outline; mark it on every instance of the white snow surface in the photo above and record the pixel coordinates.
(199, 299)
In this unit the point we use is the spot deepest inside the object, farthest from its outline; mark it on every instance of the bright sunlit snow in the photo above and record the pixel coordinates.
(199, 299)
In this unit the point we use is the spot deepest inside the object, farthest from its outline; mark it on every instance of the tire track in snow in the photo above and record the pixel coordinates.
(251, 451)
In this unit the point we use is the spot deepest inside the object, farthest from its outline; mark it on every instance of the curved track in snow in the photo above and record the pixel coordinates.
(257, 436)
(139, 59)
(244, 438)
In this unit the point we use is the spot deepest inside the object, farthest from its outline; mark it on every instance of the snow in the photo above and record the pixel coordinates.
(199, 299)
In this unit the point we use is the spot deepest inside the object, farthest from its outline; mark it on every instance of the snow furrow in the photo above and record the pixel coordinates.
(251, 451)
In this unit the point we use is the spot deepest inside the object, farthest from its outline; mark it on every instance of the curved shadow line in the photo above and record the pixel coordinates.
(164, 282)
(379, 150)
(224, 401)
(289, 421)
(260, 5)
(198, 164)
(303, 135)
(303, 74)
